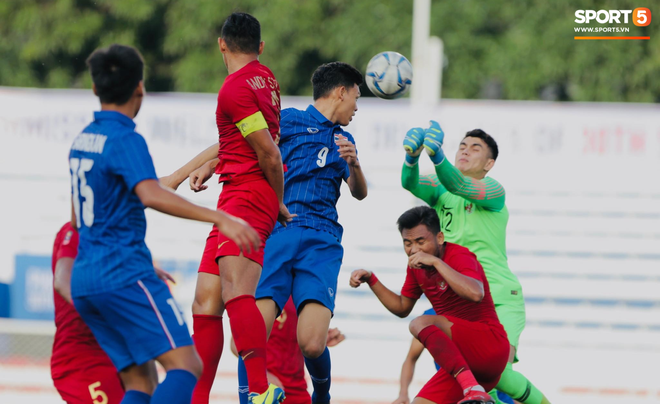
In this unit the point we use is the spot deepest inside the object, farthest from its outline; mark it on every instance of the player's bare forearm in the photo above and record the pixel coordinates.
(487, 193)
(423, 188)
(398, 305)
(62, 278)
(272, 168)
(74, 223)
(205, 156)
(270, 160)
(154, 196)
(357, 182)
(464, 286)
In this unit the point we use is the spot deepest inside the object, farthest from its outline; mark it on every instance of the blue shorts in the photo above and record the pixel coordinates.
(136, 323)
(303, 263)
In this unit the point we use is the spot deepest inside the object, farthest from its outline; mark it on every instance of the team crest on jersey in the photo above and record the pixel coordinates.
(468, 208)
(442, 285)
(67, 237)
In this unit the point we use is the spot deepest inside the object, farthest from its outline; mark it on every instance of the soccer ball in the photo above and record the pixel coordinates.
(389, 75)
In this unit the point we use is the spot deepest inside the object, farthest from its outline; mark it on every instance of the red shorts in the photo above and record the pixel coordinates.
(485, 348)
(253, 201)
(95, 384)
(295, 388)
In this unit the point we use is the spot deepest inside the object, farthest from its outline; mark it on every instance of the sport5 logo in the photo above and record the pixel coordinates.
(640, 16)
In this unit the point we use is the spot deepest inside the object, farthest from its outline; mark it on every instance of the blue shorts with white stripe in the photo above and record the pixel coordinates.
(136, 323)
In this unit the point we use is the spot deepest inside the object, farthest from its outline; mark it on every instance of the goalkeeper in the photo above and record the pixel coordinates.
(473, 214)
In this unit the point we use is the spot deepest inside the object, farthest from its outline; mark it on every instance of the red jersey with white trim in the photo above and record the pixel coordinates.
(74, 342)
(249, 100)
(285, 360)
(443, 298)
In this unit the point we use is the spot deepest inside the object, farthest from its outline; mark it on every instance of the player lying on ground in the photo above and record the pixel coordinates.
(473, 214)
(286, 364)
(408, 370)
(113, 284)
(250, 167)
(465, 337)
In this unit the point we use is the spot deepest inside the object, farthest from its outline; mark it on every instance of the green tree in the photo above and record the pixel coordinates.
(521, 50)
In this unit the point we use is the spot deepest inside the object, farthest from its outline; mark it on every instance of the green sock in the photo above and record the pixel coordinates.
(519, 388)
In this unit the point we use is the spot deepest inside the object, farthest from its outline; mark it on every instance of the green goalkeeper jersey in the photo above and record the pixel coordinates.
(472, 214)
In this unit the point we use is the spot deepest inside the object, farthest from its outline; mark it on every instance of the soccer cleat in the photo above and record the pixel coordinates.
(433, 139)
(274, 395)
(477, 397)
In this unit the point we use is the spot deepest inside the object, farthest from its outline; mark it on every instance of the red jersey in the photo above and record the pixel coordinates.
(74, 342)
(249, 100)
(285, 360)
(444, 300)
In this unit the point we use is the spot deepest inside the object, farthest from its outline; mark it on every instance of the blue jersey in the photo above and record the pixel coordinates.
(315, 171)
(107, 160)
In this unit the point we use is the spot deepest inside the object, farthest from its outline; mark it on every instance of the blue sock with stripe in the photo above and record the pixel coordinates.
(243, 389)
(177, 388)
(319, 372)
(136, 397)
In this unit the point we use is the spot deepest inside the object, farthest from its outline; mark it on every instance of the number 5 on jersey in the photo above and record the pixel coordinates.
(80, 188)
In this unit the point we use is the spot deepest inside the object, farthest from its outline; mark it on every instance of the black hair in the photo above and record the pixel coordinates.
(488, 139)
(419, 215)
(329, 76)
(116, 72)
(242, 33)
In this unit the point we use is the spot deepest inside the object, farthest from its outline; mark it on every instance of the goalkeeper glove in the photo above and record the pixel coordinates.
(433, 138)
(413, 144)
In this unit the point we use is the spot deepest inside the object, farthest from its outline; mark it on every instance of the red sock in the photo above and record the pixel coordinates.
(209, 338)
(447, 355)
(249, 331)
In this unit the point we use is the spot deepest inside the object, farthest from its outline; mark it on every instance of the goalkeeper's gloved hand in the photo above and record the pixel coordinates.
(433, 138)
(413, 144)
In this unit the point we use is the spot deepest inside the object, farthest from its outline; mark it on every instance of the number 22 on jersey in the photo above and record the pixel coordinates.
(79, 168)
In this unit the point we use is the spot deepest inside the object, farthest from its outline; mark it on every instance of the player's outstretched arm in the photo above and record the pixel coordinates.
(487, 193)
(176, 178)
(270, 161)
(408, 370)
(398, 305)
(197, 178)
(466, 287)
(154, 196)
(428, 188)
(356, 180)
(62, 277)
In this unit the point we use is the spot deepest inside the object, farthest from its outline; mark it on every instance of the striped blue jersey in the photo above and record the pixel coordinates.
(107, 160)
(315, 171)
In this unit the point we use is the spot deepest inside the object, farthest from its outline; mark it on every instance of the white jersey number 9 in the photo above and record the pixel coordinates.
(323, 155)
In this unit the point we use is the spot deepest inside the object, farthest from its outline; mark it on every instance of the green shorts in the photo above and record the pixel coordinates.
(512, 316)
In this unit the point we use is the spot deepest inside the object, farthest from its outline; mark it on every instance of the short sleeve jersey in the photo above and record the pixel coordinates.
(73, 339)
(315, 171)
(249, 100)
(107, 160)
(444, 300)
